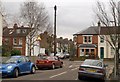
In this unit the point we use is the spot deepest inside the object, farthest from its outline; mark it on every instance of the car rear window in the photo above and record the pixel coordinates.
(93, 63)
(46, 58)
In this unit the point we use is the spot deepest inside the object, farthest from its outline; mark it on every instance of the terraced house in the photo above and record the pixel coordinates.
(94, 42)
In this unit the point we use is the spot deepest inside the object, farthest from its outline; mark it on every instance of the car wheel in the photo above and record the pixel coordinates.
(15, 73)
(33, 70)
(53, 66)
(61, 65)
(80, 78)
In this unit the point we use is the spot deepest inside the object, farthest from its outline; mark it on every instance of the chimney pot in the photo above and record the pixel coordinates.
(15, 25)
(99, 23)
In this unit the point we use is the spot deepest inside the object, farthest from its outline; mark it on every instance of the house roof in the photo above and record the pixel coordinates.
(88, 31)
(100, 30)
(12, 31)
(109, 30)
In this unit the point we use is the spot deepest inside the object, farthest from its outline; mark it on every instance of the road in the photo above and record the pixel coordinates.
(68, 72)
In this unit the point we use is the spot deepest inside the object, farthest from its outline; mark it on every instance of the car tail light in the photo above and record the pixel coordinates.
(37, 61)
(47, 61)
(82, 69)
(100, 71)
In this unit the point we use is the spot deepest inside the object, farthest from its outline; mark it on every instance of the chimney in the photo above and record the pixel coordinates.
(15, 26)
(22, 26)
(99, 26)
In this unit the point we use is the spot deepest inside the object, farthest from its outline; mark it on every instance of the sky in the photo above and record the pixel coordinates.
(72, 15)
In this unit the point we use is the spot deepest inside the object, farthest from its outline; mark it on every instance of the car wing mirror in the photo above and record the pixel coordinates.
(19, 61)
(105, 65)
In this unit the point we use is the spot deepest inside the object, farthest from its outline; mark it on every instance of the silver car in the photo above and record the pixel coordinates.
(92, 69)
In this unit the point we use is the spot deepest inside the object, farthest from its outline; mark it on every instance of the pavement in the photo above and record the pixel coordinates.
(109, 69)
(112, 75)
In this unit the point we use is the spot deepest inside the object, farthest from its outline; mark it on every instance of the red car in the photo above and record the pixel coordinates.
(49, 62)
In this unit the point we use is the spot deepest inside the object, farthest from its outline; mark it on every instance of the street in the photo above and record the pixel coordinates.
(68, 72)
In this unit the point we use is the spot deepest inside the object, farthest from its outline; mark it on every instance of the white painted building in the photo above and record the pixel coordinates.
(104, 48)
(36, 49)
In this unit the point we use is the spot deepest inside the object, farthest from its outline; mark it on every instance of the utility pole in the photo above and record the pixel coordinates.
(55, 8)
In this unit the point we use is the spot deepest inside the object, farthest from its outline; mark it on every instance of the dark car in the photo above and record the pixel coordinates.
(16, 65)
(92, 69)
(49, 62)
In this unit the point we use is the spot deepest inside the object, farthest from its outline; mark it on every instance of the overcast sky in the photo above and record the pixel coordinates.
(72, 15)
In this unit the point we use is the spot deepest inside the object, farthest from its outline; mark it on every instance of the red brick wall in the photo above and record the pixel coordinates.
(79, 39)
(95, 39)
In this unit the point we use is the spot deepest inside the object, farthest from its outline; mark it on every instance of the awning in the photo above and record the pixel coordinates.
(87, 46)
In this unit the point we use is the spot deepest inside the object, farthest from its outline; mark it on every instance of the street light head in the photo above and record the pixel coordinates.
(38, 38)
(55, 7)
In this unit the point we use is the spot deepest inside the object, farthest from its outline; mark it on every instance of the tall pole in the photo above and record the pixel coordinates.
(55, 8)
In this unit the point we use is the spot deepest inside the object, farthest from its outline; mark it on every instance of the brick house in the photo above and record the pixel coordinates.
(87, 42)
(15, 38)
(95, 41)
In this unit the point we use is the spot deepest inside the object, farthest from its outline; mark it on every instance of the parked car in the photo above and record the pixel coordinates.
(67, 55)
(16, 65)
(42, 54)
(49, 62)
(92, 69)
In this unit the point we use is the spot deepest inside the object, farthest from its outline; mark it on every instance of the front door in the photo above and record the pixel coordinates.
(101, 52)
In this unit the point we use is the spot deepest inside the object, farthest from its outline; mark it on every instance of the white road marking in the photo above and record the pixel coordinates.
(74, 69)
(76, 79)
(58, 74)
(70, 66)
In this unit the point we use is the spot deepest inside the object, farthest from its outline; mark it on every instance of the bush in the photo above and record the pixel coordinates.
(15, 52)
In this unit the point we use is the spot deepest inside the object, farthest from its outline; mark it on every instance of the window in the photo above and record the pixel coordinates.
(112, 51)
(26, 59)
(18, 31)
(20, 41)
(102, 39)
(24, 31)
(81, 52)
(87, 39)
(14, 41)
(22, 59)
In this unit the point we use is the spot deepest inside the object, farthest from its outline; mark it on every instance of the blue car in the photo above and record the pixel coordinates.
(16, 65)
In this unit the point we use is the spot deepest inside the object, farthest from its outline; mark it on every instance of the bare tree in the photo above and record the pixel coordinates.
(35, 15)
(106, 17)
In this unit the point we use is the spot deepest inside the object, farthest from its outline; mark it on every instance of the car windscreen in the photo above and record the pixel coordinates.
(12, 60)
(93, 63)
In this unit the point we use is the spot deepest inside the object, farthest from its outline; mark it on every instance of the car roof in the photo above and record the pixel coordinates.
(93, 60)
(17, 56)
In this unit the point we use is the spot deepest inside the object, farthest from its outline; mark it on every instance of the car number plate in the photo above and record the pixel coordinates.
(41, 62)
(91, 71)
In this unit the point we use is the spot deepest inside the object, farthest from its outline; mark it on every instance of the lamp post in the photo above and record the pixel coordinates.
(55, 8)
